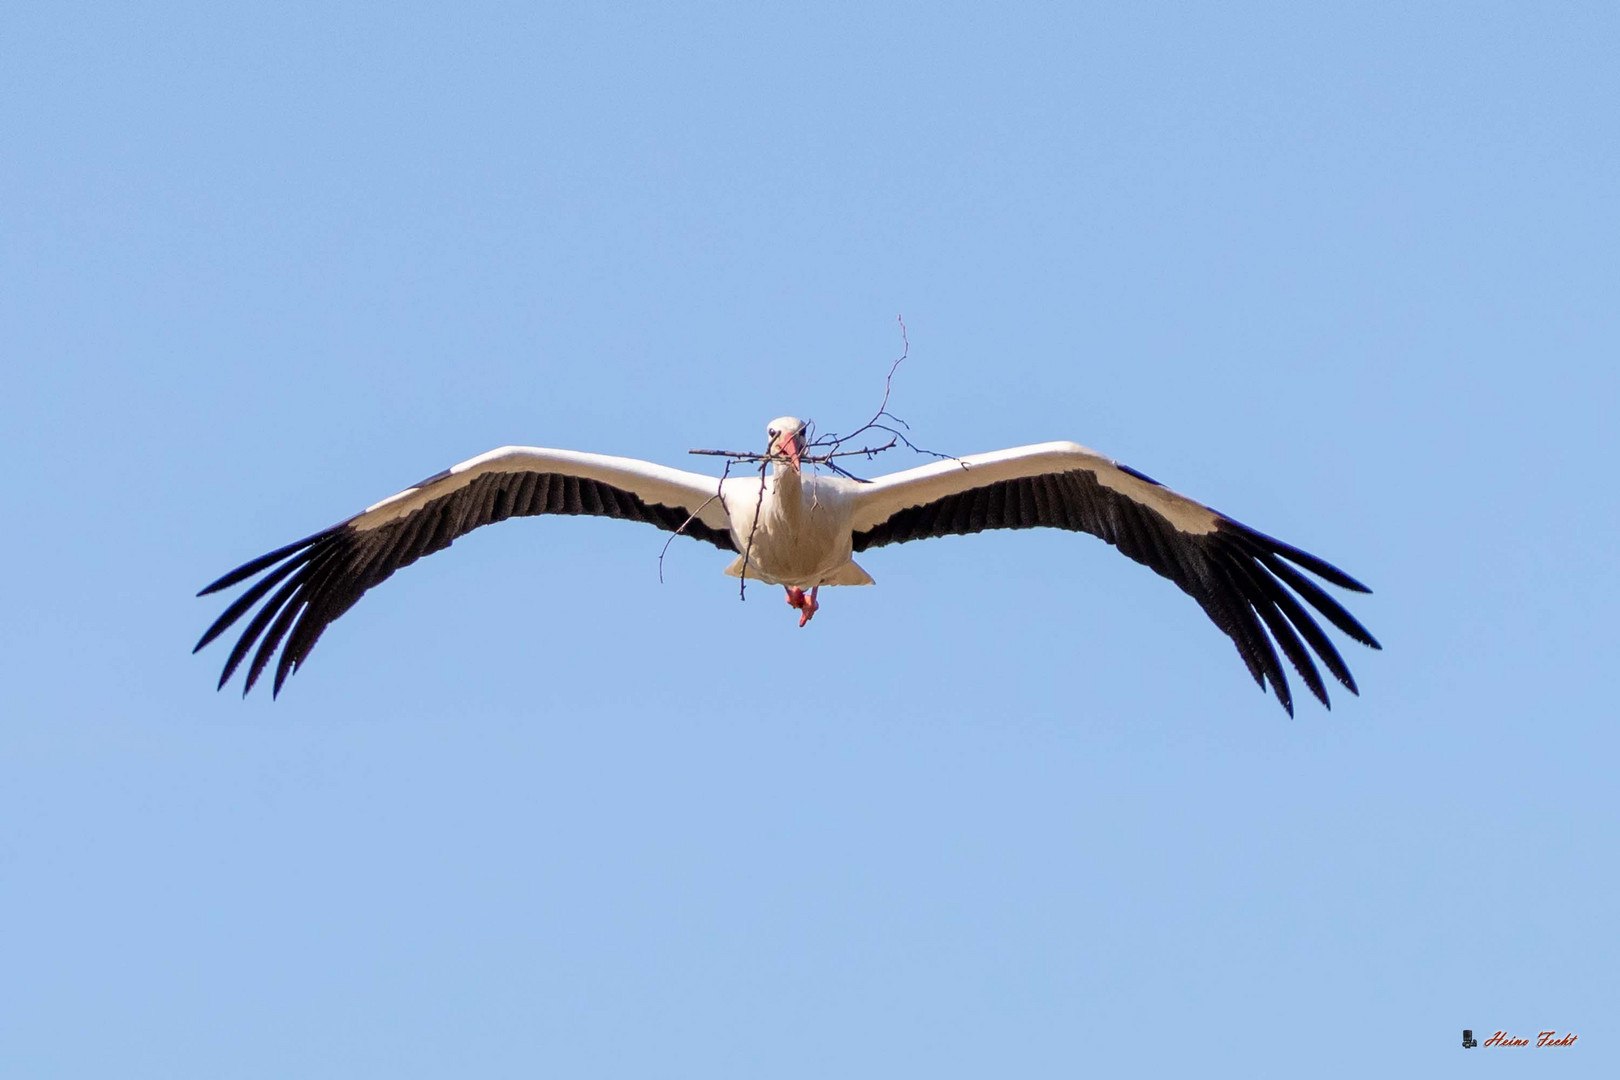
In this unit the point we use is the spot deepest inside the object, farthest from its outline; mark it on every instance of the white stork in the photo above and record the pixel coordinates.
(799, 529)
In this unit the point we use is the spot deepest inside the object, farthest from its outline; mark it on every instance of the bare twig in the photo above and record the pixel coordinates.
(693, 516)
(740, 455)
(833, 443)
(748, 548)
(845, 473)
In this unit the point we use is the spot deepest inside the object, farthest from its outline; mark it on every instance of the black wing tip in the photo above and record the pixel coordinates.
(265, 561)
(1258, 602)
(1270, 550)
(224, 581)
(1298, 556)
(297, 560)
(237, 576)
(1345, 581)
(1348, 684)
(283, 672)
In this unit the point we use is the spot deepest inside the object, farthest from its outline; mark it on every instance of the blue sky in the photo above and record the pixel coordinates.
(1345, 272)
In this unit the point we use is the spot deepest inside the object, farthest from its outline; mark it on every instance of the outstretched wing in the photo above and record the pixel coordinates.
(322, 576)
(1239, 576)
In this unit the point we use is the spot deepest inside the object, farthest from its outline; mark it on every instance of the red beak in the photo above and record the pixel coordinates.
(793, 446)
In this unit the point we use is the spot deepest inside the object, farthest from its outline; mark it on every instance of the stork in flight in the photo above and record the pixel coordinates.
(800, 529)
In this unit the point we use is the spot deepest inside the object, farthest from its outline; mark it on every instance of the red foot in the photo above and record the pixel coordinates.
(806, 605)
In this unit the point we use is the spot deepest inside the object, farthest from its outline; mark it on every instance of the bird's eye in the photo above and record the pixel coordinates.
(772, 433)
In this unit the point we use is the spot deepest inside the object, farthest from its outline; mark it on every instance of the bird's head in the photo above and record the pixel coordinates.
(787, 438)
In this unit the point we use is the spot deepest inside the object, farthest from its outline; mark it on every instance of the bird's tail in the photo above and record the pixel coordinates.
(848, 574)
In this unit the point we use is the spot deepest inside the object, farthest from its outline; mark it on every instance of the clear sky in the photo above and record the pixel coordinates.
(1345, 272)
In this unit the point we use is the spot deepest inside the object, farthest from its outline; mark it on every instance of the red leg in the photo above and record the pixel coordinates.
(795, 597)
(810, 607)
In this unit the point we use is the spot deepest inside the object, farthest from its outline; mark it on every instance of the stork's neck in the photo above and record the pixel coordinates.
(788, 488)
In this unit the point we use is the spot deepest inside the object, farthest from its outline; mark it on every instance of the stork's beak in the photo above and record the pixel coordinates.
(793, 446)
